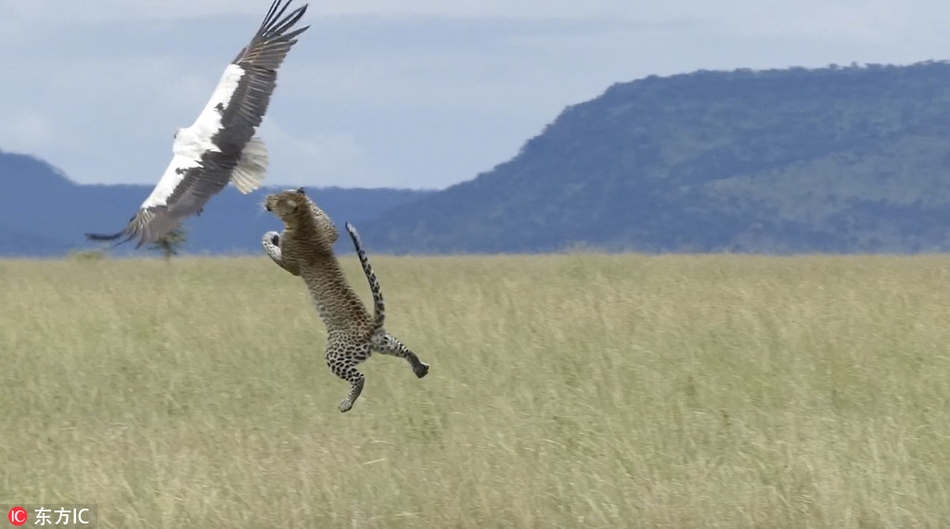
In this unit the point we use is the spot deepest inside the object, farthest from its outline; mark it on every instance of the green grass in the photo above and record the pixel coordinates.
(577, 390)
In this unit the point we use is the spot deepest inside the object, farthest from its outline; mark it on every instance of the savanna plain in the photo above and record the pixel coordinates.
(572, 390)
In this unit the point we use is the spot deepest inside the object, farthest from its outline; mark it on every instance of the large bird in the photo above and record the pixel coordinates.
(220, 147)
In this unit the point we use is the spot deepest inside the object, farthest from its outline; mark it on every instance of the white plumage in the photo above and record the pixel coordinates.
(220, 147)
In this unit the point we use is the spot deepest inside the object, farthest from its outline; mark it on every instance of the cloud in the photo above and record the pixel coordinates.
(824, 18)
(312, 159)
(418, 93)
(26, 130)
(60, 11)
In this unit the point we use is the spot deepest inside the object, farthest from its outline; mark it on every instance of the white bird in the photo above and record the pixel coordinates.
(220, 147)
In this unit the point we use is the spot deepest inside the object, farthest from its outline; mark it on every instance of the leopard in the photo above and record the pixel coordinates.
(305, 249)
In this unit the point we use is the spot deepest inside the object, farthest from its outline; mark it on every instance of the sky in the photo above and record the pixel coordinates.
(417, 94)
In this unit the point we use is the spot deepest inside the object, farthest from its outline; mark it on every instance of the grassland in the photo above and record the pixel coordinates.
(566, 391)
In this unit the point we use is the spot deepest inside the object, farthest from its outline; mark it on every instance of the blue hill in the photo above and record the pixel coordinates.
(44, 214)
(836, 159)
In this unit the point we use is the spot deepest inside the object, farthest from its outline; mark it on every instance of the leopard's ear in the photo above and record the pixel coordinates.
(300, 191)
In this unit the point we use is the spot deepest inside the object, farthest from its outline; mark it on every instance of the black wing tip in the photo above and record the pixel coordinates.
(295, 33)
(274, 26)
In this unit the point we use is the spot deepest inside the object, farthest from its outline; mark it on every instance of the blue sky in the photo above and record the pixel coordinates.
(399, 93)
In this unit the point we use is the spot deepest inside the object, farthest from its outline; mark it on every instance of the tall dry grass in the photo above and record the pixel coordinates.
(565, 391)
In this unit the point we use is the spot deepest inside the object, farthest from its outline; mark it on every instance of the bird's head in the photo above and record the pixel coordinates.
(175, 136)
(286, 204)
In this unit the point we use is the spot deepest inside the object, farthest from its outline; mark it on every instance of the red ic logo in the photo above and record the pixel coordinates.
(17, 516)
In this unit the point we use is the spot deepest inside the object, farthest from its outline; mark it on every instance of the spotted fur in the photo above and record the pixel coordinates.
(378, 304)
(305, 249)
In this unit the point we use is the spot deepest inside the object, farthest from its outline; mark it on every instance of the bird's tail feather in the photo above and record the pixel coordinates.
(251, 168)
(111, 237)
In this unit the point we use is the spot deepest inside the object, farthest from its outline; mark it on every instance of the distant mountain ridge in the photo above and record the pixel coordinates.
(44, 214)
(836, 159)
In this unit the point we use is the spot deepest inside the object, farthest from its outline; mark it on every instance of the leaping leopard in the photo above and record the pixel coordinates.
(305, 249)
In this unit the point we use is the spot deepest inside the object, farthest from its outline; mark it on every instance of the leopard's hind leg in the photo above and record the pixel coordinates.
(388, 344)
(342, 358)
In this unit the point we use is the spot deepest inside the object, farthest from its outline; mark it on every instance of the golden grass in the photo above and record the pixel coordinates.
(576, 390)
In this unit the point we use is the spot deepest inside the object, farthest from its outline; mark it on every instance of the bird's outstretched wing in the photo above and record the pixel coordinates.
(157, 216)
(220, 146)
(259, 61)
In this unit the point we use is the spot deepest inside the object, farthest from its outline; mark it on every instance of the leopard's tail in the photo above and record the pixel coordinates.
(378, 304)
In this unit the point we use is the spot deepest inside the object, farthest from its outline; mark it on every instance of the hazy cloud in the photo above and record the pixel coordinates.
(395, 92)
(300, 159)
